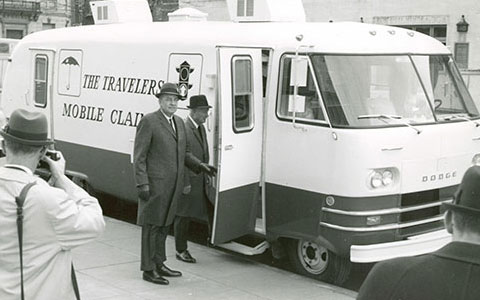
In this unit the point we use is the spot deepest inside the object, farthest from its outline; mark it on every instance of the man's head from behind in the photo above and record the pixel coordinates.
(199, 108)
(463, 215)
(168, 98)
(26, 133)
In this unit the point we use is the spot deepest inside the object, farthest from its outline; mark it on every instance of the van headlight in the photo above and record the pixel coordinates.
(381, 178)
(387, 177)
(376, 180)
(476, 160)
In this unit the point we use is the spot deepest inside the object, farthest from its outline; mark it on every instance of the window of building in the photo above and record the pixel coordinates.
(242, 94)
(437, 31)
(14, 34)
(102, 12)
(244, 8)
(307, 105)
(41, 80)
(46, 26)
(461, 55)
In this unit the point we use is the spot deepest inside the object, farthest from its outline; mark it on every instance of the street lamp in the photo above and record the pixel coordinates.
(462, 26)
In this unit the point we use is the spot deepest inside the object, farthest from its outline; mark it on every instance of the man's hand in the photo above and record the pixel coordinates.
(143, 192)
(208, 169)
(57, 167)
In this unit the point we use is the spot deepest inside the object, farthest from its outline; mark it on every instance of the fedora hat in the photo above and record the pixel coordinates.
(28, 128)
(168, 88)
(467, 197)
(198, 101)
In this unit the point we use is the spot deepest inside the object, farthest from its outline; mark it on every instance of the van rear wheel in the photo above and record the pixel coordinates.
(315, 261)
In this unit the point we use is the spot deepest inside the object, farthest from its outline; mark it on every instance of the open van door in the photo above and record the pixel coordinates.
(240, 142)
(40, 95)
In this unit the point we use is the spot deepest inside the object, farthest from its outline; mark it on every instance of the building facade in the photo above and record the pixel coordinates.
(19, 18)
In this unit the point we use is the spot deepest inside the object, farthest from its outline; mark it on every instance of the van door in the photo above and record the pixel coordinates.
(240, 142)
(41, 92)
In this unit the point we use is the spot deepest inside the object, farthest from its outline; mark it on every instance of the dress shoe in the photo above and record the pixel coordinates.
(163, 270)
(152, 276)
(209, 243)
(186, 257)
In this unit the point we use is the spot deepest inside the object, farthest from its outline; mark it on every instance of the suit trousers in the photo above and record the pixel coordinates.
(181, 231)
(153, 246)
(181, 225)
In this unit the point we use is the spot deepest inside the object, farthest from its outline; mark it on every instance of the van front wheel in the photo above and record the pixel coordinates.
(313, 260)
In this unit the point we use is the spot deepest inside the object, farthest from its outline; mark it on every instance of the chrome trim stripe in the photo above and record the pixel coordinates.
(382, 227)
(387, 211)
(392, 149)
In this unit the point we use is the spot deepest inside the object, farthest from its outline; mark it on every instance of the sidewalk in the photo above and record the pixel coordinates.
(109, 269)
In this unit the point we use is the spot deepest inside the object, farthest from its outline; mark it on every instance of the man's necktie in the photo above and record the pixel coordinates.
(200, 131)
(171, 124)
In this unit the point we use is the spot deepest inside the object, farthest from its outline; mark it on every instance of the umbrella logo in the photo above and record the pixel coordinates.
(69, 61)
(184, 71)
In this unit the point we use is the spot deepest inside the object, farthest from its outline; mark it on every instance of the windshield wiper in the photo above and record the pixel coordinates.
(390, 117)
(457, 117)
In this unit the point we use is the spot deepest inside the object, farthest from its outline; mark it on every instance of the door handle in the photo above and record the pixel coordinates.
(228, 147)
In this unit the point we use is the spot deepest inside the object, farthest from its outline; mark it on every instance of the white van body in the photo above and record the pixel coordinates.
(6, 48)
(359, 180)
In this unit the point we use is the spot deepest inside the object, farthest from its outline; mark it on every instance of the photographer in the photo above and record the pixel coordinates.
(55, 218)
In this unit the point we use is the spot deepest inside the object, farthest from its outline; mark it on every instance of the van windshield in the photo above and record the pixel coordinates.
(388, 90)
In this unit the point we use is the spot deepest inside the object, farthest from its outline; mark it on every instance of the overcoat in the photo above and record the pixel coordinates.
(193, 203)
(54, 222)
(160, 156)
(453, 272)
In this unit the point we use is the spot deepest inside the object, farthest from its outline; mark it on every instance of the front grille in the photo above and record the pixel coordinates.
(414, 230)
(420, 214)
(420, 200)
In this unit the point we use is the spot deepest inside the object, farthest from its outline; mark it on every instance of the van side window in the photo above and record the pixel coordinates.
(308, 106)
(242, 94)
(41, 81)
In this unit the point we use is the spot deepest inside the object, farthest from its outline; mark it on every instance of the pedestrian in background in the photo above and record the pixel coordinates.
(161, 153)
(453, 272)
(55, 218)
(195, 202)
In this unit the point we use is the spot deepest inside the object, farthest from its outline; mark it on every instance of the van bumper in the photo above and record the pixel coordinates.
(413, 245)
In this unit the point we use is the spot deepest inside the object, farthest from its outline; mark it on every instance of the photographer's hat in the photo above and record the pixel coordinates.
(467, 197)
(28, 128)
(198, 101)
(168, 89)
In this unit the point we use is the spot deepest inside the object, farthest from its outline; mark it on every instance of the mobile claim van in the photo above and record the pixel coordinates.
(336, 141)
(6, 48)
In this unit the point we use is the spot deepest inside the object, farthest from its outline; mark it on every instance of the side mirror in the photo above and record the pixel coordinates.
(298, 79)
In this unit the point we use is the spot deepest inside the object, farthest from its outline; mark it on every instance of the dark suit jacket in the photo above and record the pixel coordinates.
(193, 203)
(451, 273)
(160, 156)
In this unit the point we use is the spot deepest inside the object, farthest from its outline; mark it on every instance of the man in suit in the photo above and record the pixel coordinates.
(452, 272)
(194, 203)
(160, 154)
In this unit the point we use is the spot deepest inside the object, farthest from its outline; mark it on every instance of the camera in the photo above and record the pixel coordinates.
(53, 154)
(43, 169)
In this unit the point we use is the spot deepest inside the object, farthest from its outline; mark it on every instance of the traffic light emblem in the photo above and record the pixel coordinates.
(184, 71)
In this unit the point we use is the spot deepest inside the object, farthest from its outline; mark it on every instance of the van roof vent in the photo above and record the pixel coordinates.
(120, 11)
(266, 10)
(187, 14)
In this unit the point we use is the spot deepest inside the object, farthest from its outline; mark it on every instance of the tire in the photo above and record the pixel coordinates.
(315, 261)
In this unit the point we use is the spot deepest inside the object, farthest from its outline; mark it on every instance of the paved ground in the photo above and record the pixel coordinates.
(109, 269)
